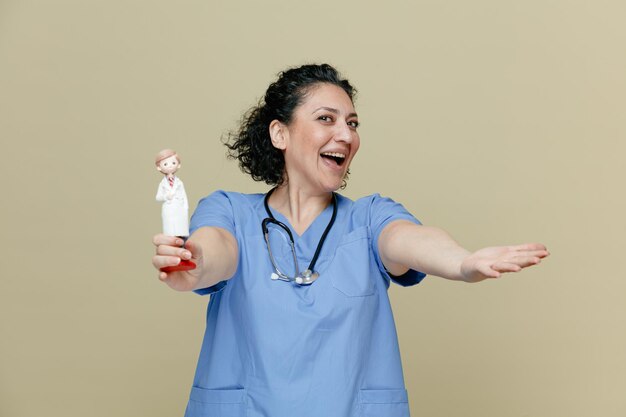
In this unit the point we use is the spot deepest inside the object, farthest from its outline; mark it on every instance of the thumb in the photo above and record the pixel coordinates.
(488, 271)
(194, 248)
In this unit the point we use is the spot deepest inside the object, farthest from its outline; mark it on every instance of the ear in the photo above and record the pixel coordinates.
(279, 134)
(159, 168)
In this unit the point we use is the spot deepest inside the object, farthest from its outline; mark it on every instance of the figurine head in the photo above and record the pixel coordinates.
(167, 161)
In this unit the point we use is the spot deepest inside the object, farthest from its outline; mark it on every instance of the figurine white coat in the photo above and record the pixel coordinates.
(171, 193)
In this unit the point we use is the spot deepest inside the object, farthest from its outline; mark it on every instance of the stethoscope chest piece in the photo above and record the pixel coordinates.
(307, 277)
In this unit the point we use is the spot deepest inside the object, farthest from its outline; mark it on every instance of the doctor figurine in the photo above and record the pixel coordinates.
(175, 206)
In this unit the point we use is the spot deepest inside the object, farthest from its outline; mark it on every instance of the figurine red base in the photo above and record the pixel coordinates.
(182, 266)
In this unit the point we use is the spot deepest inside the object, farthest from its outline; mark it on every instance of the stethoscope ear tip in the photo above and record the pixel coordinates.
(274, 276)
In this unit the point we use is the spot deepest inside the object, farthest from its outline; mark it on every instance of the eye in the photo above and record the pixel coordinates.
(325, 118)
(354, 124)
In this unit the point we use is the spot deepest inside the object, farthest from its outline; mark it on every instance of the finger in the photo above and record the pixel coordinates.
(535, 253)
(528, 246)
(167, 276)
(162, 239)
(488, 271)
(160, 261)
(173, 251)
(524, 261)
(506, 267)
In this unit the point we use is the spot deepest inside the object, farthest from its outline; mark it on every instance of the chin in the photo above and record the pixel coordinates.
(333, 187)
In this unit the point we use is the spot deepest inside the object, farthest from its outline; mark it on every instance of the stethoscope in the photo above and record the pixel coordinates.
(309, 275)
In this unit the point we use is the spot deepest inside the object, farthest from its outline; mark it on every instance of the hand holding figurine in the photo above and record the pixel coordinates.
(170, 252)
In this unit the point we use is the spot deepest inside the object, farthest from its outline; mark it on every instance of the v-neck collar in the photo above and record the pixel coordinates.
(323, 217)
(306, 243)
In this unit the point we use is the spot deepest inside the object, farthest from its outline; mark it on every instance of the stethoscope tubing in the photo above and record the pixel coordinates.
(281, 274)
(309, 275)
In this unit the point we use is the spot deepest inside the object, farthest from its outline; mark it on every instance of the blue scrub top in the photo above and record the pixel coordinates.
(277, 349)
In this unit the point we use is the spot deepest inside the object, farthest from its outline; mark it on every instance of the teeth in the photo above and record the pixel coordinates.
(334, 154)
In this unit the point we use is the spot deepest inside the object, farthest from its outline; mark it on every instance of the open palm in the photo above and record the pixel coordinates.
(493, 261)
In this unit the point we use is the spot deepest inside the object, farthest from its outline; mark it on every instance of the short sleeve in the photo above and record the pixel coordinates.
(382, 212)
(215, 210)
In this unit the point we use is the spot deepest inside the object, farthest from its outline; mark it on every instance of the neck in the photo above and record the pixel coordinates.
(299, 206)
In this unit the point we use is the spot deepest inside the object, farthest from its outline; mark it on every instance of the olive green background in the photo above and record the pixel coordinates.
(499, 121)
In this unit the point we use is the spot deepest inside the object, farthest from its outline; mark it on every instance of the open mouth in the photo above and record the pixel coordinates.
(338, 158)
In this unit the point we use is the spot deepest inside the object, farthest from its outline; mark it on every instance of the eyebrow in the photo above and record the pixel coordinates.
(334, 111)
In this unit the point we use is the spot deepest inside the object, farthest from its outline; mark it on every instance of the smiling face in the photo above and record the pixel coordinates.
(169, 165)
(321, 139)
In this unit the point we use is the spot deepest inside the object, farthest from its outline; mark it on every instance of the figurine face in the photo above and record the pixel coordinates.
(169, 165)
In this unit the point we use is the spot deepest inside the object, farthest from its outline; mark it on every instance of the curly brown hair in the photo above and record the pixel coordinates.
(251, 144)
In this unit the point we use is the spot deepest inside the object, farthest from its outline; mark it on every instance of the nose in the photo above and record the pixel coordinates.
(344, 133)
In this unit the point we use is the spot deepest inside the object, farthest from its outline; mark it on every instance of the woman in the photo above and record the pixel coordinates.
(314, 337)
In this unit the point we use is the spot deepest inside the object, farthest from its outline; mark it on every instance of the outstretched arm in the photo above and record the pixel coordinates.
(404, 245)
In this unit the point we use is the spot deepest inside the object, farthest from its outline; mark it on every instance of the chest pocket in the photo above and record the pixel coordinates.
(351, 268)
